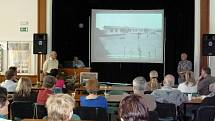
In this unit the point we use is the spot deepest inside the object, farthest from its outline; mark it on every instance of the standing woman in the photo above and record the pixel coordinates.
(24, 92)
(50, 63)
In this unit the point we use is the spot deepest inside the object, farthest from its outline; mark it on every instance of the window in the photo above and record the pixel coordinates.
(19, 54)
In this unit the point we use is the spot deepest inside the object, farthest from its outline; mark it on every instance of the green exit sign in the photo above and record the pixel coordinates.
(23, 29)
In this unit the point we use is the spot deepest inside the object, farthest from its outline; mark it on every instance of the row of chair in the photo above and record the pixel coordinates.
(26, 109)
(164, 111)
(168, 112)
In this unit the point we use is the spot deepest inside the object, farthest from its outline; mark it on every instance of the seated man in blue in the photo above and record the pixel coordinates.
(93, 100)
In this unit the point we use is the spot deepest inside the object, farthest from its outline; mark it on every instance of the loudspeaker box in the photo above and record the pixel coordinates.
(40, 43)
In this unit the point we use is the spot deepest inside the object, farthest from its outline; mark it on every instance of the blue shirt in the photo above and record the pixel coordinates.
(100, 101)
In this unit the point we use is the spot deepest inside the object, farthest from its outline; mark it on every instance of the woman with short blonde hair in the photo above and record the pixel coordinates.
(23, 90)
(60, 107)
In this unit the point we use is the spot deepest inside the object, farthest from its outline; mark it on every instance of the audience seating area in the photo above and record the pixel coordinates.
(113, 94)
(163, 112)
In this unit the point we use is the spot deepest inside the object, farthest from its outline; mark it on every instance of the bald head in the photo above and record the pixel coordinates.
(138, 84)
(169, 80)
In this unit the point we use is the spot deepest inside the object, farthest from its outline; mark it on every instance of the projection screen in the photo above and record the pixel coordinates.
(127, 36)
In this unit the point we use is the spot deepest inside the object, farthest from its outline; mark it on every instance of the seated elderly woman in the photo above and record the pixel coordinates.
(93, 100)
(132, 108)
(190, 85)
(60, 107)
(167, 94)
(3, 104)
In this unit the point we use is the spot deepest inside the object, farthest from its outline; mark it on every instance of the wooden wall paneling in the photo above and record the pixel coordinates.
(41, 29)
(204, 28)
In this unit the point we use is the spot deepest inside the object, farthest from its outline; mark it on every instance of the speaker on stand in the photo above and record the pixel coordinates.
(40, 43)
(40, 48)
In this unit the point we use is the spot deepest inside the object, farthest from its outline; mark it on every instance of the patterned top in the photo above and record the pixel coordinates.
(169, 95)
(184, 65)
(50, 64)
(190, 88)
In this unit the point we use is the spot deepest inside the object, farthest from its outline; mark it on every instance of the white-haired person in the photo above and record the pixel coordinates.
(50, 63)
(167, 94)
(60, 107)
(210, 99)
(190, 85)
(139, 84)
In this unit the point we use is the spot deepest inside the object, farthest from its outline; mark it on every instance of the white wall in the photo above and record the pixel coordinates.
(197, 39)
(212, 31)
(15, 14)
(49, 23)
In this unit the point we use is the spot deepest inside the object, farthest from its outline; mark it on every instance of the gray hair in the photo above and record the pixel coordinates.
(49, 81)
(139, 83)
(212, 87)
(59, 107)
(169, 80)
